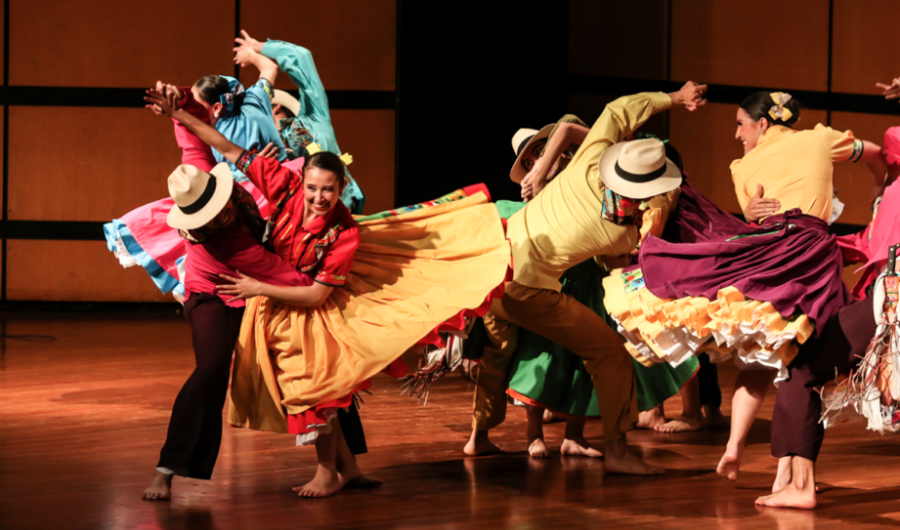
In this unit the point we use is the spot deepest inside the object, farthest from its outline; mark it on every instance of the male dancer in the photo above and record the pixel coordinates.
(564, 226)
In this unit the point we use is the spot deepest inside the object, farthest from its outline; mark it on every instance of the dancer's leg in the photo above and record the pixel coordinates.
(710, 393)
(749, 392)
(327, 481)
(489, 405)
(195, 428)
(691, 418)
(535, 432)
(574, 326)
(800, 492)
(575, 444)
(347, 466)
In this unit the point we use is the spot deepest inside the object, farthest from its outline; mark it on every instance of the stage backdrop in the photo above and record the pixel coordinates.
(79, 148)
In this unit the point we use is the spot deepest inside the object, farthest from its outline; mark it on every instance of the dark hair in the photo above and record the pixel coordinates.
(287, 112)
(329, 162)
(211, 88)
(759, 104)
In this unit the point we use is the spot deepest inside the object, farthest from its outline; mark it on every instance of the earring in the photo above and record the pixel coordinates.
(217, 116)
(761, 130)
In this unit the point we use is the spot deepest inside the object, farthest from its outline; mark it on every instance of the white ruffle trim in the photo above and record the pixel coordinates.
(309, 438)
(747, 341)
(121, 252)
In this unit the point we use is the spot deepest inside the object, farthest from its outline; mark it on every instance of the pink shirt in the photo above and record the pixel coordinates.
(234, 251)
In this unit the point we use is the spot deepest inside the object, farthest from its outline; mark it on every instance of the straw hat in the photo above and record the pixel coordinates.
(521, 141)
(638, 169)
(199, 196)
(287, 101)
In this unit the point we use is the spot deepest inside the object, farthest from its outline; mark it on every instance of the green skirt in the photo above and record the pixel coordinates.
(545, 374)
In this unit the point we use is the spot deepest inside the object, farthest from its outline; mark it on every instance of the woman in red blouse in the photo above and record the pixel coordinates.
(379, 285)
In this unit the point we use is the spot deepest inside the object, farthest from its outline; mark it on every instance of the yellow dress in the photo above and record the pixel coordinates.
(413, 270)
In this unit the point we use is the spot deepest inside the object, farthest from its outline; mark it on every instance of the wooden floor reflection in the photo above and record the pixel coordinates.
(83, 418)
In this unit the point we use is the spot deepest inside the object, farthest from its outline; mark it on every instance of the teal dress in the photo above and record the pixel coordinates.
(314, 119)
(545, 374)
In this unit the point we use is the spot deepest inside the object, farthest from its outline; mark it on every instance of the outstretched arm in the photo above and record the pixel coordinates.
(160, 104)
(243, 287)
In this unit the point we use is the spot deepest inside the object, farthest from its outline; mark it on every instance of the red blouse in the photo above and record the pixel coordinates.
(325, 248)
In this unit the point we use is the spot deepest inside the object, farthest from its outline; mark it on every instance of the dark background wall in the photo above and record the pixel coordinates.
(425, 95)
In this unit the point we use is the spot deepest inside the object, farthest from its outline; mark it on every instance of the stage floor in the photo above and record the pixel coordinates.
(83, 419)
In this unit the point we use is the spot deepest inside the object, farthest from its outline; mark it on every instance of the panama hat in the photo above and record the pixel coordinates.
(638, 169)
(287, 101)
(521, 141)
(199, 196)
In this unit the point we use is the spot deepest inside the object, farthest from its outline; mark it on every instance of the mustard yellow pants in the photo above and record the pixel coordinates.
(574, 326)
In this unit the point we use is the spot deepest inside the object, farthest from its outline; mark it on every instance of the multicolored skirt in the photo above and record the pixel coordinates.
(756, 292)
(416, 269)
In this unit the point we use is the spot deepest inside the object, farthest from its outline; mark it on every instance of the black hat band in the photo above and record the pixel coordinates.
(523, 145)
(203, 199)
(640, 177)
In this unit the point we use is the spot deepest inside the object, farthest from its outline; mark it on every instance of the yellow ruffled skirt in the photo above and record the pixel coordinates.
(414, 269)
(667, 330)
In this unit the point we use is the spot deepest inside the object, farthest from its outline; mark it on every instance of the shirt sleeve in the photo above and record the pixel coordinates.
(194, 151)
(338, 259)
(268, 175)
(297, 63)
(620, 119)
(260, 95)
(842, 144)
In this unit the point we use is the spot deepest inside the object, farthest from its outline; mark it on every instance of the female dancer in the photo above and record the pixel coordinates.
(779, 286)
(304, 352)
(300, 125)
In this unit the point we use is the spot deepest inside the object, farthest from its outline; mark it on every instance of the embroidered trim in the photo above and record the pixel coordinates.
(331, 280)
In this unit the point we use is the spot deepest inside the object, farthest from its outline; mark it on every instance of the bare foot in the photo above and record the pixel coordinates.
(579, 447)
(791, 497)
(160, 488)
(479, 444)
(362, 482)
(651, 419)
(730, 463)
(783, 477)
(327, 482)
(620, 460)
(714, 418)
(683, 424)
(537, 449)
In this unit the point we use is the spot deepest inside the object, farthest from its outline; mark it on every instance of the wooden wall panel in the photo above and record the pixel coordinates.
(87, 164)
(741, 43)
(74, 271)
(368, 135)
(110, 43)
(595, 37)
(866, 49)
(706, 140)
(854, 182)
(353, 42)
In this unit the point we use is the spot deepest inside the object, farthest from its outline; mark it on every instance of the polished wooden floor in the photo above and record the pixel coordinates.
(82, 419)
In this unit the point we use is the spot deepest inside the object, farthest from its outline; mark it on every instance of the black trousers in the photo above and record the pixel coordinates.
(840, 346)
(195, 429)
(708, 380)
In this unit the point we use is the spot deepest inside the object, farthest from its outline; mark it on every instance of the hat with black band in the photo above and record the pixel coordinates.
(521, 141)
(199, 196)
(638, 169)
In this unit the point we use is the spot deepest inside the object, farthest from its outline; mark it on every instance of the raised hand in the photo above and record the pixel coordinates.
(249, 42)
(690, 95)
(159, 102)
(891, 91)
(760, 207)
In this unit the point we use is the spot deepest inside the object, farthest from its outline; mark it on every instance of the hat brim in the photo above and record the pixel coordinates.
(286, 100)
(224, 185)
(665, 183)
(518, 171)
